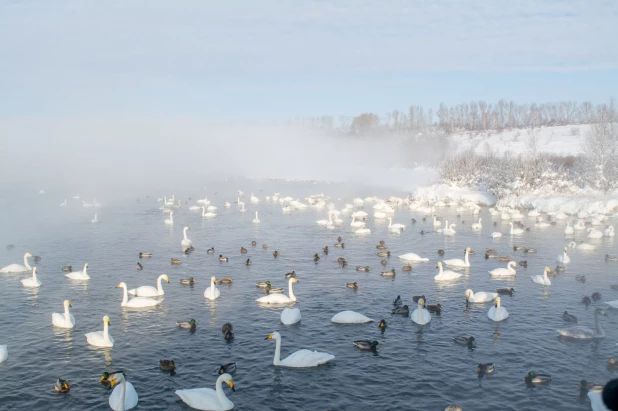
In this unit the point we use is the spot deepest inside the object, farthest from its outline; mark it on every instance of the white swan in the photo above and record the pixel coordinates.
(379, 214)
(185, 242)
(542, 279)
(170, 220)
(585, 332)
(290, 316)
(563, 258)
(256, 220)
(515, 231)
(4, 353)
(609, 231)
(458, 262)
(356, 224)
(63, 204)
(579, 225)
(533, 213)
(480, 296)
(64, 320)
(280, 298)
(505, 272)
(421, 316)
(124, 397)
(79, 275)
(446, 275)
(325, 222)
(95, 219)
(496, 234)
(477, 226)
(594, 233)
(362, 231)
(497, 312)
(149, 291)
(207, 398)
(596, 401)
(436, 222)
(398, 227)
(412, 257)
(350, 317)
(582, 246)
(137, 302)
(31, 282)
(299, 359)
(449, 231)
(101, 338)
(207, 214)
(212, 292)
(18, 268)
(254, 199)
(569, 230)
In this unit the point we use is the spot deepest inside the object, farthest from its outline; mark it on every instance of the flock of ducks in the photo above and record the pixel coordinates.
(125, 397)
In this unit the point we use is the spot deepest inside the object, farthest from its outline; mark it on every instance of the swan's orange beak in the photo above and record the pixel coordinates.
(231, 384)
(270, 337)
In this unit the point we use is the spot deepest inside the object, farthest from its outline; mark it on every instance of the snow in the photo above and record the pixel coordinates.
(445, 192)
(588, 200)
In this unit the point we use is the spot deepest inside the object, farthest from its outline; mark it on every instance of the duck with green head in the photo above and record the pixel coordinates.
(362, 268)
(366, 345)
(353, 285)
(187, 281)
(382, 325)
(187, 324)
(537, 378)
(62, 386)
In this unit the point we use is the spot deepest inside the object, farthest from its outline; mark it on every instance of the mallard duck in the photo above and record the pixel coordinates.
(228, 335)
(340, 260)
(586, 300)
(228, 368)
(340, 245)
(381, 242)
(36, 258)
(529, 250)
(470, 251)
(381, 247)
(189, 250)
(227, 327)
(61, 386)
(263, 284)
(523, 263)
(243, 250)
(437, 308)
(167, 365)
(68, 268)
(106, 376)
(271, 290)
(469, 341)
(353, 285)
(610, 258)
(344, 263)
(517, 248)
(586, 386)
(187, 281)
(418, 297)
(397, 301)
(536, 378)
(440, 252)
(275, 253)
(187, 324)
(384, 254)
(325, 250)
(488, 256)
(291, 275)
(389, 273)
(339, 239)
(225, 281)
(316, 257)
(366, 345)
(253, 244)
(487, 368)
(264, 246)
(362, 268)
(491, 251)
(138, 266)
(505, 291)
(611, 363)
(569, 318)
(176, 261)
(401, 310)
(596, 296)
(248, 262)
(382, 325)
(383, 262)
(581, 278)
(506, 259)
(145, 255)
(223, 259)
(211, 250)
(407, 267)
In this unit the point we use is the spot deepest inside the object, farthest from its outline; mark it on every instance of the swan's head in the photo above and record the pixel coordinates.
(294, 280)
(565, 249)
(228, 379)
(28, 255)
(86, 265)
(421, 302)
(213, 279)
(122, 285)
(497, 302)
(187, 228)
(34, 270)
(468, 250)
(469, 293)
(547, 270)
(106, 320)
(166, 278)
(274, 336)
(115, 379)
(438, 265)
(67, 303)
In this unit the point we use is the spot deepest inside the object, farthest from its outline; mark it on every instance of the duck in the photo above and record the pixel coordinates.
(586, 300)
(407, 267)
(280, 298)
(353, 285)
(596, 296)
(61, 386)
(64, 320)
(569, 318)
(212, 292)
(384, 254)
(469, 341)
(227, 327)
(397, 302)
(167, 365)
(187, 281)
(291, 274)
(586, 387)
(211, 250)
(138, 266)
(421, 316)
(454, 407)
(579, 332)
(458, 262)
(101, 338)
(401, 310)
(32, 282)
(187, 324)
(505, 272)
(503, 259)
(611, 363)
(542, 279)
(505, 291)
(610, 258)
(136, 302)
(264, 246)
(537, 378)
(362, 268)
(441, 252)
(263, 284)
(340, 245)
(148, 291)
(437, 308)
(491, 251)
(227, 280)
(207, 398)
(389, 273)
(275, 253)
(497, 312)
(384, 262)
(145, 255)
(68, 268)
(176, 261)
(382, 325)
(381, 246)
(487, 368)
(243, 250)
(581, 278)
(446, 275)
(228, 335)
(299, 359)
(248, 262)
(189, 250)
(366, 345)
(271, 290)
(228, 368)
(316, 257)
(223, 259)
(415, 298)
(480, 296)
(523, 263)
(253, 244)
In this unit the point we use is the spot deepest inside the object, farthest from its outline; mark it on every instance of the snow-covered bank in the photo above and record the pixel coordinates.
(446, 192)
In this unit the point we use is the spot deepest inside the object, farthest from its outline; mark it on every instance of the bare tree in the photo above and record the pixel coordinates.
(601, 147)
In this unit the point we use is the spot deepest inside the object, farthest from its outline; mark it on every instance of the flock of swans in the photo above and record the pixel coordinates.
(125, 397)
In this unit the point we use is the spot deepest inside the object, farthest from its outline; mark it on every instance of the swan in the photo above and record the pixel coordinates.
(362, 231)
(446, 275)
(584, 332)
(350, 317)
(137, 302)
(582, 246)
(421, 316)
(397, 227)
(195, 208)
(496, 234)
(458, 262)
(79, 275)
(594, 233)
(95, 219)
(212, 292)
(569, 230)
(561, 216)
(254, 199)
(290, 316)
(31, 282)
(477, 226)
(480, 296)
(207, 398)
(101, 338)
(185, 243)
(436, 222)
(356, 224)
(207, 214)
(542, 279)
(65, 320)
(256, 220)
(533, 213)
(325, 222)
(4, 353)
(280, 298)
(563, 258)
(412, 257)
(170, 220)
(596, 401)
(300, 358)
(505, 272)
(63, 204)
(449, 231)
(124, 397)
(579, 225)
(609, 231)
(148, 291)
(497, 312)
(18, 268)
(515, 231)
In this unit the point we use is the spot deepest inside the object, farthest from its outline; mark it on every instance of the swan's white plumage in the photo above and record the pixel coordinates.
(298, 359)
(130, 400)
(137, 302)
(505, 272)
(101, 338)
(480, 296)
(497, 312)
(212, 292)
(350, 317)
(64, 320)
(79, 275)
(149, 291)
(280, 298)
(458, 262)
(18, 268)
(420, 316)
(446, 275)
(542, 279)
(207, 398)
(32, 282)
(412, 257)
(290, 316)
(4, 353)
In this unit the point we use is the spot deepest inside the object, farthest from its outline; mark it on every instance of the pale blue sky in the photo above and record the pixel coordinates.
(248, 59)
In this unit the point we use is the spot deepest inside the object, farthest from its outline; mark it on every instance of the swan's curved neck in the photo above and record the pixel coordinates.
(105, 331)
(34, 275)
(184, 233)
(256, 215)
(292, 296)
(159, 287)
(511, 266)
(172, 217)
(67, 314)
(26, 262)
(441, 270)
(466, 258)
(85, 268)
(445, 224)
(123, 393)
(330, 218)
(277, 359)
(390, 222)
(203, 211)
(125, 299)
